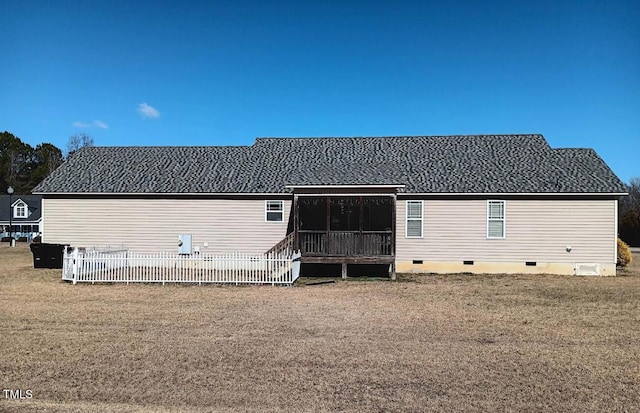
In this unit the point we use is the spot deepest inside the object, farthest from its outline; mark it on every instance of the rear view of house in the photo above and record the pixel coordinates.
(479, 204)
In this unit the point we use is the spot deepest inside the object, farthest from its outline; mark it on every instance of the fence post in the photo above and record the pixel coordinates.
(272, 267)
(295, 270)
(236, 264)
(74, 267)
(65, 263)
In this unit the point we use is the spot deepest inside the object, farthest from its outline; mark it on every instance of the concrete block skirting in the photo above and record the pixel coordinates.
(479, 267)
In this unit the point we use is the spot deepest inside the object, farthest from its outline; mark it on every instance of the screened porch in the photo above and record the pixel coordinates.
(358, 227)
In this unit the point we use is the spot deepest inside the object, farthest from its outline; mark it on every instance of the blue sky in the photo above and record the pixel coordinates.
(226, 72)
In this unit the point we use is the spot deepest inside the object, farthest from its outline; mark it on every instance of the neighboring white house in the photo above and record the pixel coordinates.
(479, 204)
(23, 213)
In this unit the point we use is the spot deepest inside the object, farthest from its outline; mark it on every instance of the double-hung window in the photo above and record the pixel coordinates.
(496, 219)
(274, 211)
(414, 219)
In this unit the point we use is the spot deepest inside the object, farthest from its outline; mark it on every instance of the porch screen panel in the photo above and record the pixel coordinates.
(377, 214)
(312, 214)
(345, 214)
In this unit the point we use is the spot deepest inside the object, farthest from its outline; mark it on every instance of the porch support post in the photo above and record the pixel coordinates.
(394, 206)
(344, 270)
(361, 227)
(326, 243)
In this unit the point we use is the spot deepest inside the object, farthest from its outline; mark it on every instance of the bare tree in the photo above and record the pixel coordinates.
(78, 141)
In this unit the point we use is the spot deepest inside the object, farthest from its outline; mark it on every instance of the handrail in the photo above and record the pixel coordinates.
(285, 244)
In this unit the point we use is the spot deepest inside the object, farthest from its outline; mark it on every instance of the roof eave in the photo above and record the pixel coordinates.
(163, 193)
(517, 193)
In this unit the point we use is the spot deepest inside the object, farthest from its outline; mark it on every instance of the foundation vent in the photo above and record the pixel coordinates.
(467, 262)
(587, 269)
(417, 262)
(530, 263)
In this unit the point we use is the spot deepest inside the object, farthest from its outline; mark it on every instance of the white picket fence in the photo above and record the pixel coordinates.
(122, 266)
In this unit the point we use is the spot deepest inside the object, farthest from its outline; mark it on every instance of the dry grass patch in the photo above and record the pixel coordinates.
(425, 343)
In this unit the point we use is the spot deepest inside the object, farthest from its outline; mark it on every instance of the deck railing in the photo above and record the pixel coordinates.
(346, 243)
(285, 246)
(129, 267)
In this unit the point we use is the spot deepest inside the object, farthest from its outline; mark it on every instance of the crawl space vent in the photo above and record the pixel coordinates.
(587, 269)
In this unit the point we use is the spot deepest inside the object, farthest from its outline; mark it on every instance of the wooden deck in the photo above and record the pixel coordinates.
(347, 247)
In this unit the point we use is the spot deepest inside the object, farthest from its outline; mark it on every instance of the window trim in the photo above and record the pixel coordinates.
(407, 219)
(267, 210)
(20, 205)
(503, 219)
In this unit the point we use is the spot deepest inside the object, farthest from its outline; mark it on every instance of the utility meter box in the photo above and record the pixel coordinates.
(184, 244)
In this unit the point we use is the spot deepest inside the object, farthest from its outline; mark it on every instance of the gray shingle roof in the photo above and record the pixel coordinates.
(425, 164)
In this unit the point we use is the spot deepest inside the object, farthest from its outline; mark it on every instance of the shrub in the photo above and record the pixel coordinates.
(624, 254)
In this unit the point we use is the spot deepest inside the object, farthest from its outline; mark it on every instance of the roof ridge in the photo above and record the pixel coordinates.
(403, 136)
(166, 146)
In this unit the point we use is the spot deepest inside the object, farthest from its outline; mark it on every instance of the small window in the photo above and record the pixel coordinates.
(274, 211)
(414, 219)
(495, 219)
(20, 211)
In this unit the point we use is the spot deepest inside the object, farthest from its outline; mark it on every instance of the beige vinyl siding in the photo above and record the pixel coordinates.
(153, 225)
(535, 230)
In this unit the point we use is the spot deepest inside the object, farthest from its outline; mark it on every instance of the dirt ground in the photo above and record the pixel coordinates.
(424, 343)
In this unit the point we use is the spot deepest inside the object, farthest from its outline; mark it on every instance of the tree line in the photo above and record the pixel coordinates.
(629, 214)
(23, 166)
